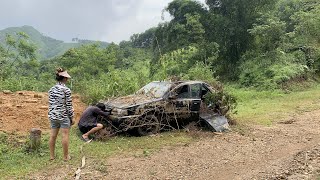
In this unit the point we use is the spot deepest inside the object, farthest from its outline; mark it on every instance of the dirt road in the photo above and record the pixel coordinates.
(287, 150)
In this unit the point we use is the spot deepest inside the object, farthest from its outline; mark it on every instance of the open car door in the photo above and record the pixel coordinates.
(215, 121)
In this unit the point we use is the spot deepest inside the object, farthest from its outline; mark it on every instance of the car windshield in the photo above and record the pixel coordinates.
(155, 89)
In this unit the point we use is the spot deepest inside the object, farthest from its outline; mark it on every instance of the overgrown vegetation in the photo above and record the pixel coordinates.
(262, 44)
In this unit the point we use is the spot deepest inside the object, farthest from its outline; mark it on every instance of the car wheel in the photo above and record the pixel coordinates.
(149, 125)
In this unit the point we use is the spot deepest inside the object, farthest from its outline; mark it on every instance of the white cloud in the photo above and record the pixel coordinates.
(106, 20)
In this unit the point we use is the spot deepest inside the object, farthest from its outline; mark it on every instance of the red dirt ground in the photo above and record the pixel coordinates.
(23, 110)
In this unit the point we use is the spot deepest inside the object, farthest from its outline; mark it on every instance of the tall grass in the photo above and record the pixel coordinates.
(267, 107)
(25, 83)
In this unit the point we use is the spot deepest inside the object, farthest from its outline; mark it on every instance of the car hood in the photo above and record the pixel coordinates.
(131, 100)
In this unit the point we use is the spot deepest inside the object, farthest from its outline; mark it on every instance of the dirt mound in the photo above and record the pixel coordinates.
(23, 110)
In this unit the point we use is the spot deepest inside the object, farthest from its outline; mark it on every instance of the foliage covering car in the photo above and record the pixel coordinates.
(162, 105)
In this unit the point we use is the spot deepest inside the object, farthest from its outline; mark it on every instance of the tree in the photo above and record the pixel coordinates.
(268, 33)
(302, 29)
(183, 30)
(179, 8)
(229, 21)
(17, 52)
(143, 40)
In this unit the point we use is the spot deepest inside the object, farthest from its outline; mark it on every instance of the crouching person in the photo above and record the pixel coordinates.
(88, 122)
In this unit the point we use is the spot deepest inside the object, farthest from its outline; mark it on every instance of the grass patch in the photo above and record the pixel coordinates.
(15, 162)
(13, 157)
(267, 107)
(137, 145)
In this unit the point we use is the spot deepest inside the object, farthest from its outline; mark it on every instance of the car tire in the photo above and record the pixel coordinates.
(149, 126)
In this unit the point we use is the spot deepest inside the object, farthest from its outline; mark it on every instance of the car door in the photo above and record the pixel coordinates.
(188, 98)
(181, 104)
(195, 97)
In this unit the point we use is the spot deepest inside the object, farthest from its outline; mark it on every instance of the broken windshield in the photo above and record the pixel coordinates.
(155, 89)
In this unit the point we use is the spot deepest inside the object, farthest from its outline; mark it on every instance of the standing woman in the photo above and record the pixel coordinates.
(60, 113)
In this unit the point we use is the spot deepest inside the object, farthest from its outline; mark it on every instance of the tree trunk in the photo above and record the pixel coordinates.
(35, 139)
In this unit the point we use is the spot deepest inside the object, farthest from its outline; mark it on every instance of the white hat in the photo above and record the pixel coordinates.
(64, 74)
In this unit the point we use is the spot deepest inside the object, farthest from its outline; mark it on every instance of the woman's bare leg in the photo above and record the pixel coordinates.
(52, 141)
(65, 143)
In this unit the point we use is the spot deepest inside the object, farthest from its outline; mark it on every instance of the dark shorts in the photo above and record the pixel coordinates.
(85, 129)
(63, 123)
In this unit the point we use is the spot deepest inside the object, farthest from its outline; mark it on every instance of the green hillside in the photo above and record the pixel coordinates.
(47, 47)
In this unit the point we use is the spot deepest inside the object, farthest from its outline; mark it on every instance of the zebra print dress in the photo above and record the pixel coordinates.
(60, 103)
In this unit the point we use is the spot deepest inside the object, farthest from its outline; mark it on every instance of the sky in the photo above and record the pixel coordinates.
(103, 20)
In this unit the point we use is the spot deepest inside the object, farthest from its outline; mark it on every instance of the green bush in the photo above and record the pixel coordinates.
(115, 83)
(202, 72)
(221, 101)
(270, 70)
(25, 83)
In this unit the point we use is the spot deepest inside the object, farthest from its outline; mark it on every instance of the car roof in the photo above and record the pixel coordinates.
(182, 82)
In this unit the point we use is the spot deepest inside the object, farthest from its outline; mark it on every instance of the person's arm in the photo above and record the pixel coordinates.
(98, 111)
(69, 104)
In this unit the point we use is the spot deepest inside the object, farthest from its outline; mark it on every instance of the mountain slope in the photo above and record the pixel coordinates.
(47, 47)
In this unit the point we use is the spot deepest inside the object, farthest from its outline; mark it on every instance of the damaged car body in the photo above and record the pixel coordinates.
(163, 105)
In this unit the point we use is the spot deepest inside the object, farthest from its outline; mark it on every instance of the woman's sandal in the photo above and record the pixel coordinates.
(85, 139)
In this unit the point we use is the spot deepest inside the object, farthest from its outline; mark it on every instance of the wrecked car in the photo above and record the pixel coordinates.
(164, 105)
